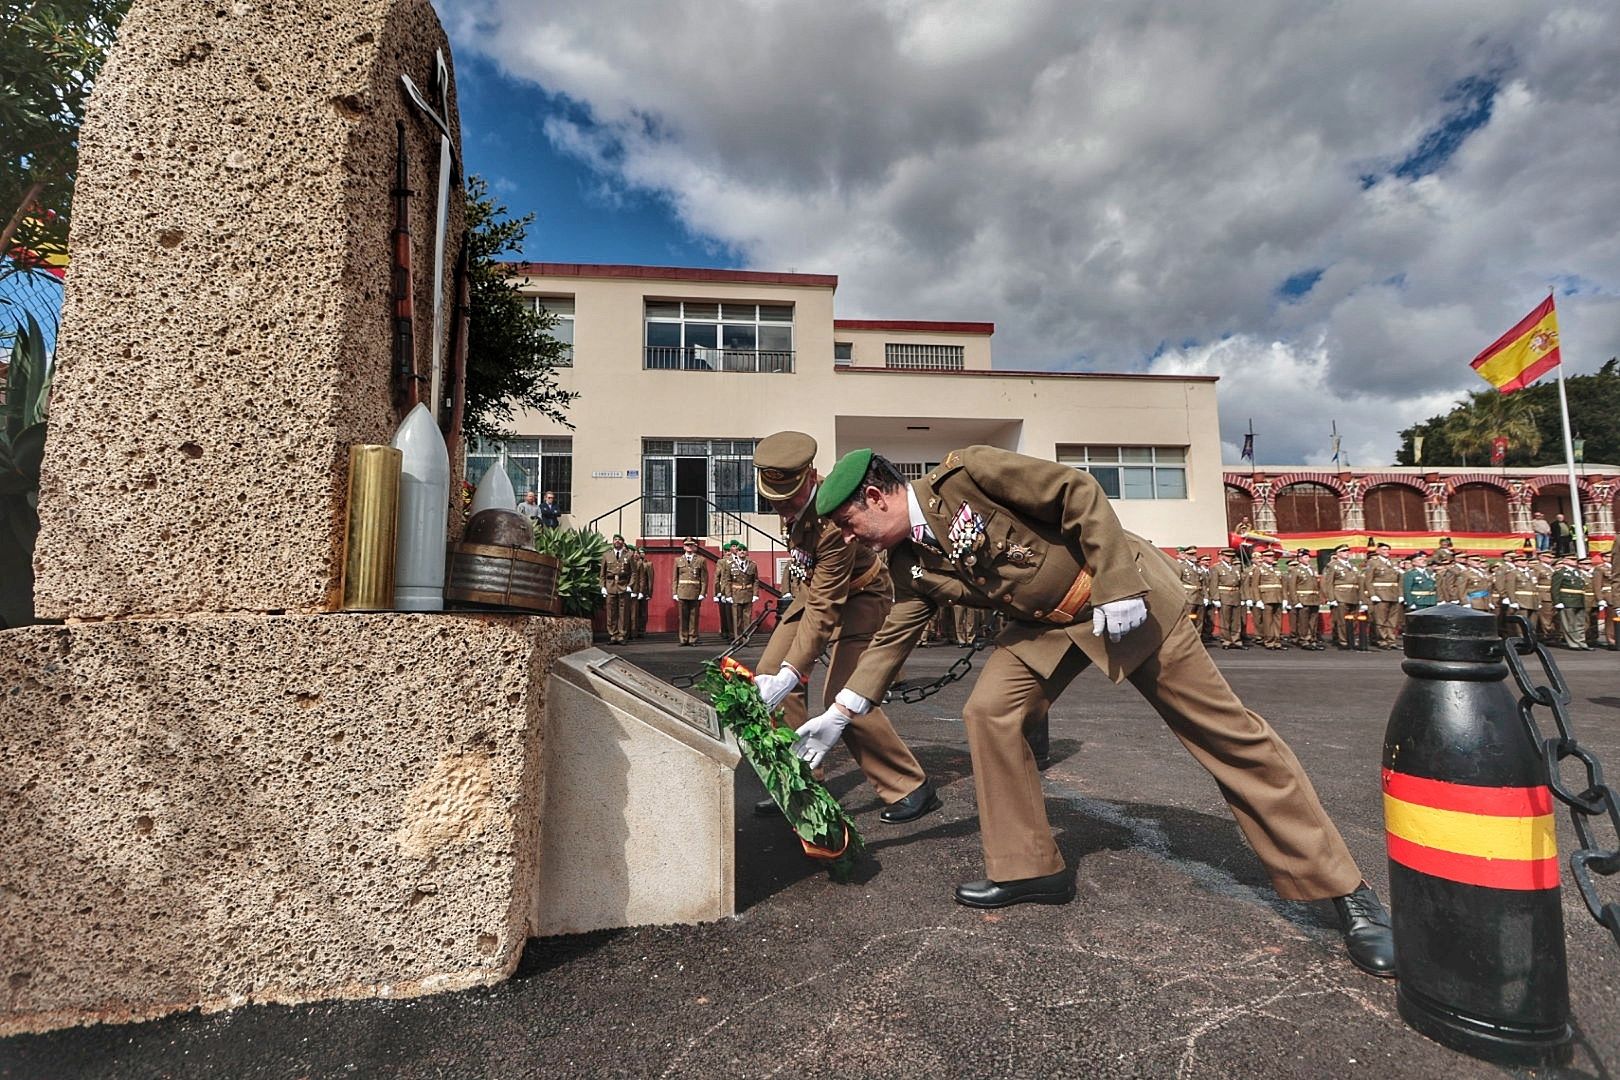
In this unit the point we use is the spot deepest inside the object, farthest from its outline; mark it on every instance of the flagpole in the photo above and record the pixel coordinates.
(1569, 460)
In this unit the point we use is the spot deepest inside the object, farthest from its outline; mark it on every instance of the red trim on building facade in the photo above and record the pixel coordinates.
(670, 273)
(985, 328)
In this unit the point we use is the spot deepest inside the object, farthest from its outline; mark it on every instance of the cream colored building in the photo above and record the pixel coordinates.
(681, 371)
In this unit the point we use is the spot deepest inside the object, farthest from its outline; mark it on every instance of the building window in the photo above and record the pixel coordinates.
(537, 465)
(923, 357)
(562, 308)
(692, 336)
(843, 352)
(1132, 472)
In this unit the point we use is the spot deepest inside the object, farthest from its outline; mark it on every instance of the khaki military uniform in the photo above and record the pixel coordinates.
(1305, 601)
(841, 596)
(1603, 595)
(1341, 584)
(740, 591)
(618, 565)
(1229, 590)
(1476, 587)
(1192, 583)
(1049, 547)
(642, 588)
(1544, 620)
(1451, 581)
(1269, 588)
(1522, 591)
(691, 584)
(1381, 588)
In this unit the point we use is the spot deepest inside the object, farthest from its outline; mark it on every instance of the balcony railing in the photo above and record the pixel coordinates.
(698, 358)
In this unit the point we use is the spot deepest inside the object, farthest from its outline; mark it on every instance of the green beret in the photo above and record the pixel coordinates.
(839, 486)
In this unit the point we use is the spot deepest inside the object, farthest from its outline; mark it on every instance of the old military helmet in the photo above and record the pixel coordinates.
(783, 462)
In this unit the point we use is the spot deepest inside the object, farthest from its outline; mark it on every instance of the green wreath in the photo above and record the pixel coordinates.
(822, 824)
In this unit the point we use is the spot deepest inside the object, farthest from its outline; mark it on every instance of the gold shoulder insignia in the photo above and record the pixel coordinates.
(952, 460)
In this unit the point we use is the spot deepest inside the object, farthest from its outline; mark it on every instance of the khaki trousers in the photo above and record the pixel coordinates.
(1231, 623)
(1265, 786)
(1307, 624)
(1383, 619)
(878, 751)
(617, 603)
(1269, 620)
(690, 610)
(1341, 623)
(641, 617)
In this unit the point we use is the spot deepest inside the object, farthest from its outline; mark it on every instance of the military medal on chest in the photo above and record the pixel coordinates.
(1019, 555)
(967, 529)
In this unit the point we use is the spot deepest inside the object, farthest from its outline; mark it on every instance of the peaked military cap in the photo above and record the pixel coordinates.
(838, 486)
(690, 541)
(783, 462)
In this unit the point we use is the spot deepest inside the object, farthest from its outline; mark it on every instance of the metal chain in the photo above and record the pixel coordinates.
(911, 692)
(1598, 800)
(685, 682)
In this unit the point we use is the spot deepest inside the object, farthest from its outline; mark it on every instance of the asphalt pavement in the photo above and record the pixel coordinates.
(1175, 959)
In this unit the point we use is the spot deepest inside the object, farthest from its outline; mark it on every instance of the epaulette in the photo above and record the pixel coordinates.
(953, 460)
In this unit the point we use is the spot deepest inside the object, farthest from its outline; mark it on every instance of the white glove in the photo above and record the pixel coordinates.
(1558, 607)
(604, 590)
(676, 599)
(1287, 606)
(1119, 617)
(820, 734)
(775, 688)
(1209, 603)
(1602, 604)
(1333, 603)
(1377, 600)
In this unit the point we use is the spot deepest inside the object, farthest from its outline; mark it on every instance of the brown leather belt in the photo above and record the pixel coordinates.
(1073, 600)
(870, 575)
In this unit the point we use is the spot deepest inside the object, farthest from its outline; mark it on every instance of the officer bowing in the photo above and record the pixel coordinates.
(1039, 542)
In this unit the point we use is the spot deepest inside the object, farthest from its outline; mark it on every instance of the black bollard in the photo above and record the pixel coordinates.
(1473, 859)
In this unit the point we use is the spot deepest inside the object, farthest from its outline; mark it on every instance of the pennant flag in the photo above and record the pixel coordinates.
(1248, 447)
(1335, 449)
(1499, 447)
(1417, 449)
(1523, 354)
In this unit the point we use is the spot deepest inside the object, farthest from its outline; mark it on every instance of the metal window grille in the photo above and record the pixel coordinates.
(911, 357)
(537, 465)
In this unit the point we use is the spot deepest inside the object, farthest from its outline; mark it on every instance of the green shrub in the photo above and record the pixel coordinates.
(22, 447)
(580, 551)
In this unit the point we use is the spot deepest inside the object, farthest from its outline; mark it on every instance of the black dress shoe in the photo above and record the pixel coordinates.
(1055, 888)
(1367, 936)
(767, 808)
(913, 806)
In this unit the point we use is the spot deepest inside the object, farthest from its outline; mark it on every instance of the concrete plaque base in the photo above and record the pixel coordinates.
(639, 802)
(210, 811)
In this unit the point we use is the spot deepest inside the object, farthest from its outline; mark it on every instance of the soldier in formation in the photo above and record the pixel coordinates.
(1232, 597)
(1603, 598)
(1569, 591)
(1418, 589)
(736, 588)
(1304, 601)
(640, 590)
(689, 584)
(1192, 582)
(1268, 592)
(1341, 585)
(1381, 588)
(618, 566)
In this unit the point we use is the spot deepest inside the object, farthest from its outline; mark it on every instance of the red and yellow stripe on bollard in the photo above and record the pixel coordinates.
(1493, 837)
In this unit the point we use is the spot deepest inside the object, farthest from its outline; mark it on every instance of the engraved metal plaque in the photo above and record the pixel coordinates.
(659, 694)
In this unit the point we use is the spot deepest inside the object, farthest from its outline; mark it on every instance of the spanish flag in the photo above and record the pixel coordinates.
(1523, 354)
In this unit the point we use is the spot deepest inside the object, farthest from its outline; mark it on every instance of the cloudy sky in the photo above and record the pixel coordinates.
(1333, 206)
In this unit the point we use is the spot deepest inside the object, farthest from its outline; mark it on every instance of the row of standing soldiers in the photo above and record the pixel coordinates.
(1565, 601)
(627, 583)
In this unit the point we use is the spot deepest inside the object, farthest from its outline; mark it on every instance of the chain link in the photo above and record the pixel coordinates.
(911, 692)
(1597, 800)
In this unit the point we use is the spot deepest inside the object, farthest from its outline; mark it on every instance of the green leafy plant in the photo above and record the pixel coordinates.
(22, 448)
(818, 818)
(580, 552)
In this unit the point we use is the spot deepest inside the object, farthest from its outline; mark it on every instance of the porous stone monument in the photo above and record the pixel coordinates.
(215, 789)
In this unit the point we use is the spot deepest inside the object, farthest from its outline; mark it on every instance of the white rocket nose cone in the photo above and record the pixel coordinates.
(494, 492)
(424, 509)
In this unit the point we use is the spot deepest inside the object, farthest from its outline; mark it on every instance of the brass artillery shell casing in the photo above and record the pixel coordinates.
(373, 518)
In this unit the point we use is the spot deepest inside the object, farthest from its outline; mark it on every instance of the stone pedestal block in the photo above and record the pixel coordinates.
(220, 810)
(226, 326)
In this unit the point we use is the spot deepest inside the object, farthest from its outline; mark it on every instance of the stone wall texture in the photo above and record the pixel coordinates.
(215, 811)
(226, 330)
